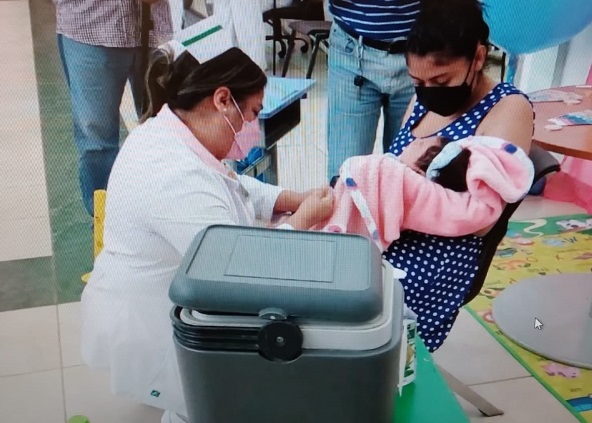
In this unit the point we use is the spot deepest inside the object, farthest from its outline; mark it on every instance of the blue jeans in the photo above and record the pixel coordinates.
(96, 77)
(354, 111)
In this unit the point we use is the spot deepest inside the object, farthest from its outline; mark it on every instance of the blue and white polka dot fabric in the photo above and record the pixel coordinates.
(440, 270)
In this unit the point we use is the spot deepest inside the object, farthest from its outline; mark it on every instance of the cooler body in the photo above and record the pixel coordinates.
(281, 326)
(318, 387)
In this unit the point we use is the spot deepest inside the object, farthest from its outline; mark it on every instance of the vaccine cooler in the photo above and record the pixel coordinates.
(286, 326)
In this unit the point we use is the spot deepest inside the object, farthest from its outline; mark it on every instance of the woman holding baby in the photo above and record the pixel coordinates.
(455, 99)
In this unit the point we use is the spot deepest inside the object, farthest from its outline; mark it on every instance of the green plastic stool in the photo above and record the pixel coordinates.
(78, 419)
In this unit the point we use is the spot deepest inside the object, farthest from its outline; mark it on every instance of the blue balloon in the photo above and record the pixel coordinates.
(526, 26)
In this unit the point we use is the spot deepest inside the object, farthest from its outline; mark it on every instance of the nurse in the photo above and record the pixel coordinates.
(169, 182)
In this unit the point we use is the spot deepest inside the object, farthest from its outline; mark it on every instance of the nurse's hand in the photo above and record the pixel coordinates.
(316, 208)
(290, 201)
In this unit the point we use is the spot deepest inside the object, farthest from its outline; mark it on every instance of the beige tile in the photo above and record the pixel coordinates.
(522, 400)
(18, 82)
(87, 392)
(477, 417)
(12, 16)
(23, 202)
(22, 174)
(21, 135)
(25, 238)
(536, 207)
(18, 67)
(22, 169)
(29, 341)
(32, 398)
(25, 107)
(472, 355)
(69, 321)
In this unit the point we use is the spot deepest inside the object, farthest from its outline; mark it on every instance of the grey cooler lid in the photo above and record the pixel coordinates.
(314, 275)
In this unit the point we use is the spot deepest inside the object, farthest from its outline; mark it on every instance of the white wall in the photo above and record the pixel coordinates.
(567, 64)
(535, 71)
(579, 58)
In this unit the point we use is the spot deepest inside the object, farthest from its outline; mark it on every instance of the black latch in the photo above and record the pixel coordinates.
(280, 341)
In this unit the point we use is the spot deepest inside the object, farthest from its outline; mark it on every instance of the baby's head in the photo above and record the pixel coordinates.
(420, 153)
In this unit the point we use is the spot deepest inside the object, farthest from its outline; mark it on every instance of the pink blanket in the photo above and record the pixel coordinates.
(395, 198)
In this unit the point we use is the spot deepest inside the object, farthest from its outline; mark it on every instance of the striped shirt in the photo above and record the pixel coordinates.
(389, 20)
(111, 23)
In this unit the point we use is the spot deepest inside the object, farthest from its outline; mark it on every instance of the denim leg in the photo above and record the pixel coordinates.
(96, 77)
(353, 112)
(400, 90)
(63, 59)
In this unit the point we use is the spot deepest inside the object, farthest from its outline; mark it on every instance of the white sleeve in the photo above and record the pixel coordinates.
(263, 196)
(179, 215)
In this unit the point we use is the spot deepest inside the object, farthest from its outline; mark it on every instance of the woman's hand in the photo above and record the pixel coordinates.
(314, 209)
(290, 201)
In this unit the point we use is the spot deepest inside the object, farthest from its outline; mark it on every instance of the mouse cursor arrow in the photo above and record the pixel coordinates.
(537, 324)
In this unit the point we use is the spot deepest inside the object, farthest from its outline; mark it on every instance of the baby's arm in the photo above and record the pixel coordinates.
(433, 209)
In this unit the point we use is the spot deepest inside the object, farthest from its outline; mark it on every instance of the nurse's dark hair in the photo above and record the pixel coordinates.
(452, 28)
(452, 176)
(184, 82)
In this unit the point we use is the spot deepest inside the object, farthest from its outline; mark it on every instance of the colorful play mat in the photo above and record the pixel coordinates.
(540, 247)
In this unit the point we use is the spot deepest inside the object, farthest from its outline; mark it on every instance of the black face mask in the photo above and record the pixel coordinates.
(444, 101)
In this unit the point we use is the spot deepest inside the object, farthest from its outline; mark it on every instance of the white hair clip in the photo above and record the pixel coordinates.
(174, 47)
(444, 157)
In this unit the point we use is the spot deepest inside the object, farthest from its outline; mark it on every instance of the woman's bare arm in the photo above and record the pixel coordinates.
(511, 119)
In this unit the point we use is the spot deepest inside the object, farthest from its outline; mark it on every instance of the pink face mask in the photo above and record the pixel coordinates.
(244, 140)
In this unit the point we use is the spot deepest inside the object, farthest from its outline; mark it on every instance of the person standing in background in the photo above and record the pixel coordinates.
(99, 47)
(367, 74)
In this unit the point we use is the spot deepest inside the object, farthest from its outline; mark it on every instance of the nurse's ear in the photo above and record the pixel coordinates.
(222, 99)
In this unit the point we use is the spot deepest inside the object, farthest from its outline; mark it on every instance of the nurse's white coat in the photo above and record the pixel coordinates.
(160, 195)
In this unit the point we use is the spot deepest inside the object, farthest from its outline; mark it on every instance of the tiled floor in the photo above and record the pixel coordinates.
(42, 378)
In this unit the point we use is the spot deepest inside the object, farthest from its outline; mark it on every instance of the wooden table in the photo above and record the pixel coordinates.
(574, 141)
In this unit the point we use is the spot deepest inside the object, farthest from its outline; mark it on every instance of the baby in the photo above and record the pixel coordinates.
(435, 187)
(421, 153)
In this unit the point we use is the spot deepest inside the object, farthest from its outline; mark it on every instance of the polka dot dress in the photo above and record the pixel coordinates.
(440, 270)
